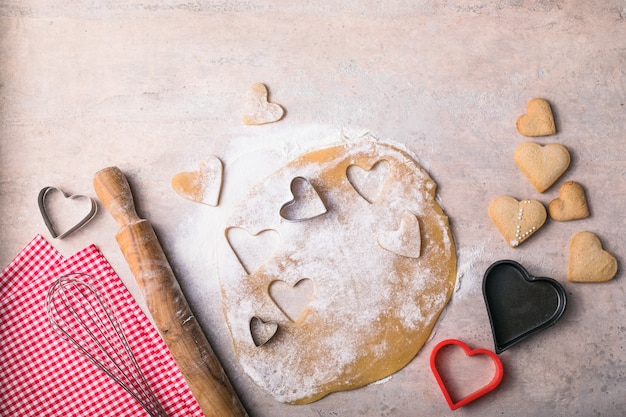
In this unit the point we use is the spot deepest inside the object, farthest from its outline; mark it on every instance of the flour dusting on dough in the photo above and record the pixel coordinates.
(371, 310)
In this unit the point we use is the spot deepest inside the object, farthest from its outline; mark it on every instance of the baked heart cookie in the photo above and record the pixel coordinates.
(571, 203)
(588, 261)
(538, 120)
(516, 220)
(542, 165)
(348, 311)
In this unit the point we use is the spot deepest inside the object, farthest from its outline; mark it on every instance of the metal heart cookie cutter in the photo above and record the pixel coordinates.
(44, 213)
(306, 204)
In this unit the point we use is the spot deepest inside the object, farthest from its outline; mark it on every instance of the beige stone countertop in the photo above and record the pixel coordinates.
(154, 87)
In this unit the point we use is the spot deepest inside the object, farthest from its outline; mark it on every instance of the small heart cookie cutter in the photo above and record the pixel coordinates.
(285, 210)
(41, 199)
(490, 386)
(262, 331)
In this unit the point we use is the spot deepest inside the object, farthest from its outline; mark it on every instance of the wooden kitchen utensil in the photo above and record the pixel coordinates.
(165, 300)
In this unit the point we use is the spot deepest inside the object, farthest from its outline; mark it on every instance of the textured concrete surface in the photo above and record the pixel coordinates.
(153, 86)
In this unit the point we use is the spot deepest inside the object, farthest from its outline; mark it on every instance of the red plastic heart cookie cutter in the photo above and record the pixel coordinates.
(495, 381)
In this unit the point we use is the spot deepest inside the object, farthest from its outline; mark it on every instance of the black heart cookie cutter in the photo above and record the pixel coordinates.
(520, 305)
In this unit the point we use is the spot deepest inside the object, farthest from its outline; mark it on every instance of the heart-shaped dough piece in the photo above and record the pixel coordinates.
(516, 220)
(258, 110)
(588, 262)
(542, 165)
(571, 203)
(538, 120)
(202, 185)
(407, 240)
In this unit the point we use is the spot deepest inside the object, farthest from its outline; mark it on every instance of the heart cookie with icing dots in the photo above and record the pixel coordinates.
(571, 203)
(258, 110)
(542, 165)
(516, 220)
(538, 120)
(202, 185)
(588, 261)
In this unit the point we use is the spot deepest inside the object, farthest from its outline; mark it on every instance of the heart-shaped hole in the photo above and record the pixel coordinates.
(262, 331)
(292, 300)
(463, 374)
(369, 183)
(252, 250)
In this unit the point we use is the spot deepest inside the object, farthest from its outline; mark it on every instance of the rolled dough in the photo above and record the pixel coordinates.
(365, 310)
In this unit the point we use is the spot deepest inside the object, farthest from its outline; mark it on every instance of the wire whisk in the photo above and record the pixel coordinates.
(84, 318)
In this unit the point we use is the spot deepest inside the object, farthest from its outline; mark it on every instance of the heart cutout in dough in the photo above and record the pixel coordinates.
(520, 305)
(588, 261)
(293, 300)
(571, 203)
(369, 183)
(542, 165)
(48, 214)
(451, 382)
(306, 204)
(252, 250)
(258, 110)
(262, 331)
(516, 220)
(538, 120)
(202, 185)
(406, 240)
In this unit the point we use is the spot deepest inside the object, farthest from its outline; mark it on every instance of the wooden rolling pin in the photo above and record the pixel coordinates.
(165, 300)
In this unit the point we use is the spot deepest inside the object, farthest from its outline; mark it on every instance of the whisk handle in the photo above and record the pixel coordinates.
(114, 192)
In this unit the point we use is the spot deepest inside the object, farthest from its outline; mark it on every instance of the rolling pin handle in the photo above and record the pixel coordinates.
(114, 192)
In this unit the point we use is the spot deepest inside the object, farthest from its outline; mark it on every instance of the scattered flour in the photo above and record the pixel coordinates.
(371, 309)
(466, 263)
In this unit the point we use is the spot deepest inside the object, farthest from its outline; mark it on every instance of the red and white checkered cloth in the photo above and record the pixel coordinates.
(41, 375)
